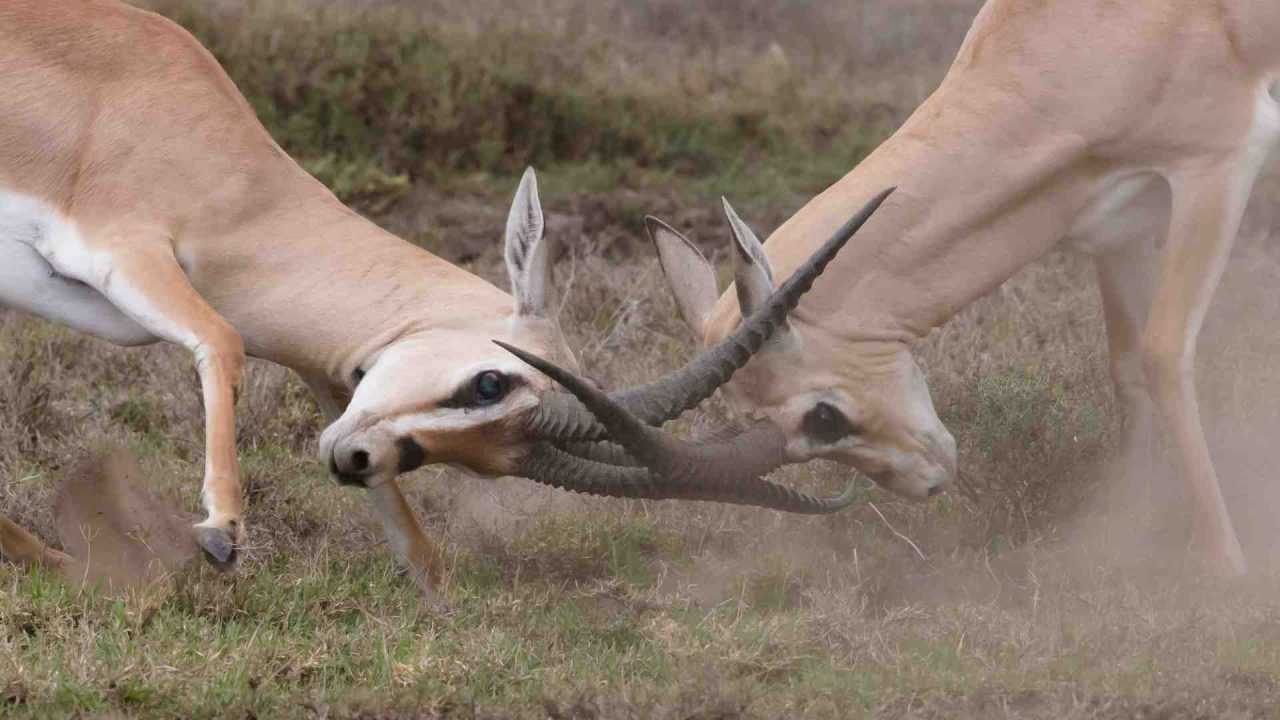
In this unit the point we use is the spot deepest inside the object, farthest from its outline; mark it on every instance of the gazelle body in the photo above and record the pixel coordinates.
(1132, 130)
(141, 200)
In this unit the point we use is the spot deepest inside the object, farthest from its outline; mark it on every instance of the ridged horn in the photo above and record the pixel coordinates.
(552, 466)
(561, 417)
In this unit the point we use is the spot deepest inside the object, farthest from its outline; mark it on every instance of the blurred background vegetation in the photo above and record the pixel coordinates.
(757, 96)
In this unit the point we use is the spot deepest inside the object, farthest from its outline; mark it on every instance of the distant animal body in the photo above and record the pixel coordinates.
(141, 200)
(1133, 131)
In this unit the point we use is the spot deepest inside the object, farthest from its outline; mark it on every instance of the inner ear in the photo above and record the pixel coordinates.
(752, 275)
(526, 250)
(692, 279)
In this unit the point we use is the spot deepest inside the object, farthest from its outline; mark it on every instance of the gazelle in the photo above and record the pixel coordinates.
(141, 200)
(1132, 130)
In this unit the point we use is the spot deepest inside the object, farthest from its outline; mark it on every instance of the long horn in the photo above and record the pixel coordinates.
(601, 451)
(562, 417)
(555, 467)
(729, 470)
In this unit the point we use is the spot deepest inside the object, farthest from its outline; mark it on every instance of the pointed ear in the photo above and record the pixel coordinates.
(526, 252)
(691, 277)
(752, 276)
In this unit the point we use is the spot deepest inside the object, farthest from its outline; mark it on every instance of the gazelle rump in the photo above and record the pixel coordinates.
(141, 200)
(1133, 131)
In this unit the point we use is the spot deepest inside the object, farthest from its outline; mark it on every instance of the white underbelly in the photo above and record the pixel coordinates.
(29, 283)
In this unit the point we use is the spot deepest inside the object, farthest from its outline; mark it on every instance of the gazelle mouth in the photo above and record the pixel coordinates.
(609, 443)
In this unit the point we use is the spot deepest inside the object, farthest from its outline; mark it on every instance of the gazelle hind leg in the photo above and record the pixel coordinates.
(139, 274)
(20, 546)
(1205, 217)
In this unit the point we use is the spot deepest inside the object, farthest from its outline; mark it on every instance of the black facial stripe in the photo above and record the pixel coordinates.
(412, 456)
(465, 396)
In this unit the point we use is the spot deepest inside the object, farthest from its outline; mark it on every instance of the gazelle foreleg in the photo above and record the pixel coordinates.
(1125, 280)
(1207, 206)
(418, 554)
(138, 273)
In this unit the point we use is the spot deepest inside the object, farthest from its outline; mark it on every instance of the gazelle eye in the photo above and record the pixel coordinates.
(490, 387)
(358, 375)
(827, 425)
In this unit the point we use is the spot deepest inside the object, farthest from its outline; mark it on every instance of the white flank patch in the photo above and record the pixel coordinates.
(32, 235)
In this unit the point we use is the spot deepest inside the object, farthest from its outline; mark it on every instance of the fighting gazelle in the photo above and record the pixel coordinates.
(141, 200)
(1132, 130)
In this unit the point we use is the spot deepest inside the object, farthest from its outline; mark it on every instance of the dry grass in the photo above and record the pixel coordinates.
(1056, 592)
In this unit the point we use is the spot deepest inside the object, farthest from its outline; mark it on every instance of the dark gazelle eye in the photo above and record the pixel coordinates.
(490, 387)
(827, 425)
(358, 375)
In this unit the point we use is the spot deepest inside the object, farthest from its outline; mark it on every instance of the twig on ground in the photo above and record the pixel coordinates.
(894, 530)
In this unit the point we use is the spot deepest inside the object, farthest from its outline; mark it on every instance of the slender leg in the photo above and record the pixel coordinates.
(1207, 206)
(417, 553)
(1125, 278)
(139, 274)
(22, 547)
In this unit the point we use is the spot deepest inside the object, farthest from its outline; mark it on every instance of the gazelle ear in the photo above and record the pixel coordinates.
(752, 276)
(526, 253)
(691, 277)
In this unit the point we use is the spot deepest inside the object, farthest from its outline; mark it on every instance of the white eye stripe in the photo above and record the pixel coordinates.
(455, 419)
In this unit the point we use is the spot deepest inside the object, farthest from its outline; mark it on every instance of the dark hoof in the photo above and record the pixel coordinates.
(219, 548)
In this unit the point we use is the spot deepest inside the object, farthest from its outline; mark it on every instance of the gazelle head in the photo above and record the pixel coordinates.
(864, 403)
(448, 394)
(444, 393)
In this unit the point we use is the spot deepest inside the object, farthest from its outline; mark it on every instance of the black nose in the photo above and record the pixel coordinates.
(359, 461)
(935, 490)
(350, 465)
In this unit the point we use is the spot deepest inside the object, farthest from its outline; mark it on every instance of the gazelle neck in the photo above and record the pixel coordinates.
(963, 219)
(319, 287)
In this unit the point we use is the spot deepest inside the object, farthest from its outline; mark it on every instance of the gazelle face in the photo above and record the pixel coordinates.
(448, 394)
(867, 406)
(862, 403)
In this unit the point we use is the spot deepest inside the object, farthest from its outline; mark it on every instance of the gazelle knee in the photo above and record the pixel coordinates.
(222, 353)
(1129, 377)
(1166, 368)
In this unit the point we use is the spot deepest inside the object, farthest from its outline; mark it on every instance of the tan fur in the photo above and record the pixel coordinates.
(19, 546)
(1049, 107)
(196, 225)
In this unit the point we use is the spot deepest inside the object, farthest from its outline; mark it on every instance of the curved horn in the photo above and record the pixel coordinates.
(601, 451)
(728, 471)
(560, 417)
(552, 466)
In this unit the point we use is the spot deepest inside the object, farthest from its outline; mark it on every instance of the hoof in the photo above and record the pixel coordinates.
(219, 549)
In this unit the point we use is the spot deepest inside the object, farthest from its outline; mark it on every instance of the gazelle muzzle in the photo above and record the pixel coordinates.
(574, 426)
